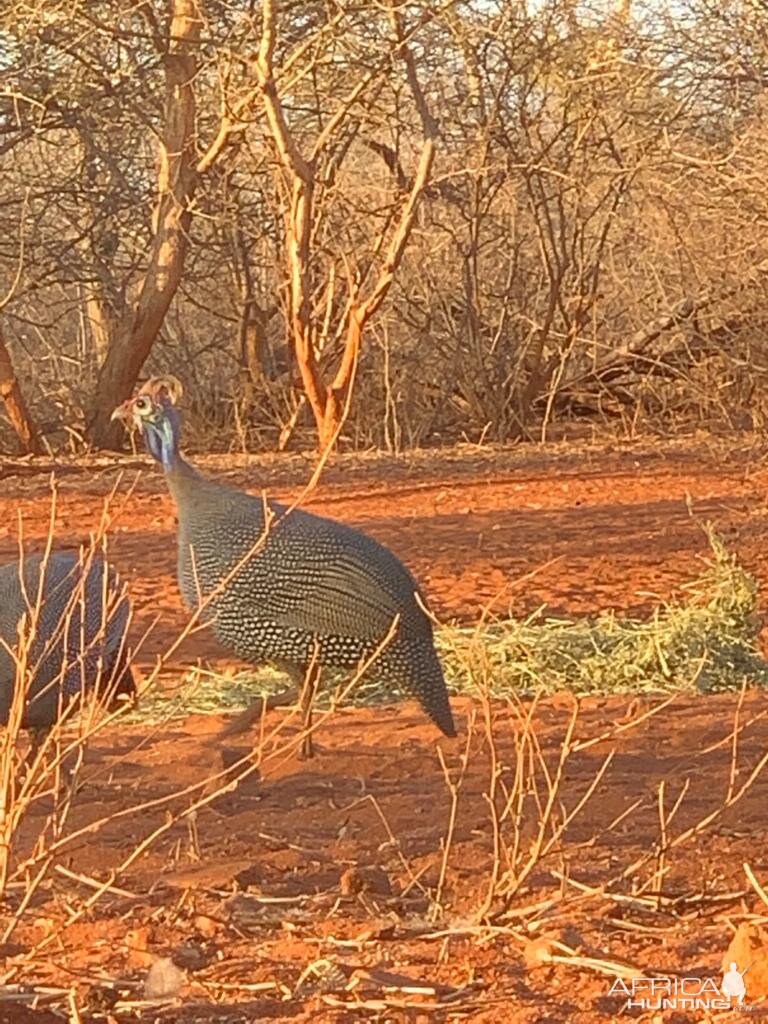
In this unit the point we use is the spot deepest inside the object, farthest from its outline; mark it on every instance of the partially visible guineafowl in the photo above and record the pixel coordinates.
(76, 617)
(313, 592)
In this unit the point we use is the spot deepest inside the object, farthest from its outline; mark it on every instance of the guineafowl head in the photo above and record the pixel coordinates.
(152, 410)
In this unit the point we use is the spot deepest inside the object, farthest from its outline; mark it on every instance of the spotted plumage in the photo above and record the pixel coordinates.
(305, 587)
(75, 620)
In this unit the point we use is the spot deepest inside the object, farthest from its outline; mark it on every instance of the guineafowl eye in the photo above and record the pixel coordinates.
(143, 404)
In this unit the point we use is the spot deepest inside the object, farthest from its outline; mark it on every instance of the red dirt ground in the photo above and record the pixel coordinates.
(575, 530)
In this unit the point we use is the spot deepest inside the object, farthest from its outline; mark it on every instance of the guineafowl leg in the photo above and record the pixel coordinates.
(37, 736)
(306, 700)
(305, 679)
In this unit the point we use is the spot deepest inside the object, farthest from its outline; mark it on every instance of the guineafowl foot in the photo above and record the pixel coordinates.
(246, 719)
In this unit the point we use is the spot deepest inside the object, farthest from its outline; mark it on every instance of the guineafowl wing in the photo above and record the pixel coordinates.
(77, 636)
(337, 581)
(322, 577)
(341, 600)
(308, 573)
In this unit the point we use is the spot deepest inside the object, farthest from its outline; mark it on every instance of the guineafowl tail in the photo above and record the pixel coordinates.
(413, 663)
(119, 684)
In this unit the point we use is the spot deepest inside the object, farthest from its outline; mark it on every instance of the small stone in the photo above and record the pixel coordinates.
(537, 953)
(321, 976)
(373, 881)
(350, 883)
(164, 980)
(206, 926)
(98, 999)
(193, 956)
(137, 945)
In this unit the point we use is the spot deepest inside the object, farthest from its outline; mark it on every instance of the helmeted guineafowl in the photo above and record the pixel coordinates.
(74, 635)
(314, 590)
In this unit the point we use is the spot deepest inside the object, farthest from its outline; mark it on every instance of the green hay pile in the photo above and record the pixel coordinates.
(707, 642)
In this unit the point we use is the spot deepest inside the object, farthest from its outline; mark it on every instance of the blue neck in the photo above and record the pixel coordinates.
(161, 436)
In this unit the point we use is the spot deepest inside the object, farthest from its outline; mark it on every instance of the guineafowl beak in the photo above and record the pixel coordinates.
(123, 413)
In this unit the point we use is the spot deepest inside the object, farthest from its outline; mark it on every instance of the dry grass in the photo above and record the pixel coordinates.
(534, 819)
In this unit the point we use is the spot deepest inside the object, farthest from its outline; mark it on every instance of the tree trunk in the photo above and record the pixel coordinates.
(329, 400)
(131, 344)
(15, 406)
(339, 393)
(100, 325)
